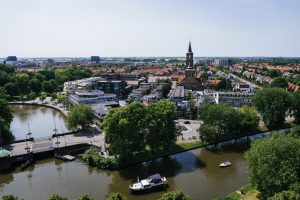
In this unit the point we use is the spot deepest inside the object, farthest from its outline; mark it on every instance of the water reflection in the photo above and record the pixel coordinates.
(196, 172)
(41, 120)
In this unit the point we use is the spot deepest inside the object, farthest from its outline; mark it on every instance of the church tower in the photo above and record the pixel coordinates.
(190, 72)
(189, 80)
(189, 57)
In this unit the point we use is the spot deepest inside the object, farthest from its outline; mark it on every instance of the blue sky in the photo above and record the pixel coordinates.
(32, 28)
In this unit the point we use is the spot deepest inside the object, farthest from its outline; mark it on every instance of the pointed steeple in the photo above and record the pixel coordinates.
(190, 47)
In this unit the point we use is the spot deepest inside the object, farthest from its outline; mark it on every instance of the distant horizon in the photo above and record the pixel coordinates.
(117, 28)
(289, 57)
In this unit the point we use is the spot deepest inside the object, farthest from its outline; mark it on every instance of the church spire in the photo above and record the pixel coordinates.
(189, 57)
(190, 47)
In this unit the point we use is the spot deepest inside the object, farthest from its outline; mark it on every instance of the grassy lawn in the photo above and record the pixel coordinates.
(245, 193)
(251, 195)
(190, 145)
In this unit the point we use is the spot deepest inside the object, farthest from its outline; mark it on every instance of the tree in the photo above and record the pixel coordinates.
(22, 80)
(42, 97)
(209, 133)
(55, 196)
(161, 127)
(285, 195)
(296, 106)
(249, 120)
(3, 94)
(295, 131)
(39, 77)
(272, 73)
(47, 74)
(225, 84)
(125, 129)
(35, 85)
(32, 95)
(166, 89)
(48, 86)
(222, 118)
(85, 197)
(272, 104)
(9, 197)
(5, 120)
(53, 96)
(115, 196)
(279, 82)
(222, 121)
(175, 195)
(80, 115)
(3, 78)
(11, 89)
(273, 163)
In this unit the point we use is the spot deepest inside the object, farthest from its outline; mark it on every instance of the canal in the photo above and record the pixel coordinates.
(195, 172)
(41, 121)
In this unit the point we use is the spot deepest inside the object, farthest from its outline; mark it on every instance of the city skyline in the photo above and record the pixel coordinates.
(134, 28)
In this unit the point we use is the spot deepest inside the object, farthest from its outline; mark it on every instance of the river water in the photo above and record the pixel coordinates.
(196, 172)
(41, 121)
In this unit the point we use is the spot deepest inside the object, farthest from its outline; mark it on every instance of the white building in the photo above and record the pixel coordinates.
(94, 96)
(236, 99)
(84, 84)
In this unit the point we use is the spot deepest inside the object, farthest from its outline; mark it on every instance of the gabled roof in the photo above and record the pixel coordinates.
(293, 87)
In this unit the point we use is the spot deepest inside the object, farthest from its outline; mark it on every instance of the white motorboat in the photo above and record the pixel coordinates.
(225, 164)
(152, 182)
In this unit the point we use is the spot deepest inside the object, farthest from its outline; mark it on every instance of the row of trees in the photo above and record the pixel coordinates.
(274, 104)
(128, 130)
(273, 165)
(16, 83)
(222, 121)
(174, 195)
(5, 120)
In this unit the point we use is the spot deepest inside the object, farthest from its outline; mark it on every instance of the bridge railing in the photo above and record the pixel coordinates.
(43, 138)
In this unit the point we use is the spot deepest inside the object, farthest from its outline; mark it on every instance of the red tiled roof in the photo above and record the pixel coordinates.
(213, 82)
(293, 87)
(180, 79)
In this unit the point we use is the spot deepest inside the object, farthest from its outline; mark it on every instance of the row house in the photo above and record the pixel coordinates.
(249, 74)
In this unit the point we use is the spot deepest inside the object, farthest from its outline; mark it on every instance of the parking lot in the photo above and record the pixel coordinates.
(191, 132)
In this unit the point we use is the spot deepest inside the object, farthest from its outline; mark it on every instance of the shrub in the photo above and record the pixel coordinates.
(94, 158)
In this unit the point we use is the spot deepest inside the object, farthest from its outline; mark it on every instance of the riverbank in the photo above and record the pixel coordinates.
(187, 146)
(188, 171)
(45, 103)
(245, 193)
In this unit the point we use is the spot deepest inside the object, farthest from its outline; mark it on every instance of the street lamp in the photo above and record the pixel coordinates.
(64, 134)
(29, 133)
(55, 133)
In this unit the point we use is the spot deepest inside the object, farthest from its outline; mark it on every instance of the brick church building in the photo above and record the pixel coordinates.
(190, 80)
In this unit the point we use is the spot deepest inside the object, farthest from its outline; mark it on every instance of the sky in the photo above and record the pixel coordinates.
(117, 28)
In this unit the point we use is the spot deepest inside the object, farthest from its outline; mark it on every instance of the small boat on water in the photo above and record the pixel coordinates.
(225, 164)
(65, 157)
(152, 182)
